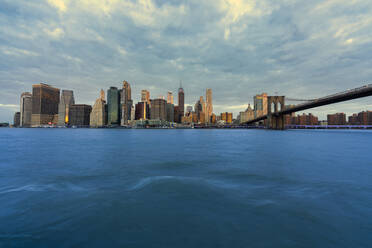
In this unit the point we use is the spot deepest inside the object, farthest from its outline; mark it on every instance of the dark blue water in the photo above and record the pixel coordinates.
(185, 188)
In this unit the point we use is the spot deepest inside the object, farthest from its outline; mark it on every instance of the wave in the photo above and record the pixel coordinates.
(180, 183)
(42, 188)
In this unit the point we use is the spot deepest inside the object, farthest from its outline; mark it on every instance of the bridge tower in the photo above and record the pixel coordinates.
(275, 104)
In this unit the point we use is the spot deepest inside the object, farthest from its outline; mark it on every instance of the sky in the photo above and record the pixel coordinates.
(239, 48)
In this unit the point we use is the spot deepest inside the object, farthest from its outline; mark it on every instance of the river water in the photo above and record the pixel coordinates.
(185, 188)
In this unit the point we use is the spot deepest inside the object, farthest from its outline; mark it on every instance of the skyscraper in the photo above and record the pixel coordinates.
(45, 100)
(26, 109)
(67, 99)
(98, 114)
(125, 103)
(181, 104)
(142, 111)
(80, 115)
(16, 119)
(158, 109)
(113, 105)
(145, 96)
(209, 105)
(260, 105)
(170, 97)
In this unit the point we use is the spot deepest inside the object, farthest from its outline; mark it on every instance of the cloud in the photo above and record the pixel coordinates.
(12, 51)
(61, 5)
(239, 48)
(55, 33)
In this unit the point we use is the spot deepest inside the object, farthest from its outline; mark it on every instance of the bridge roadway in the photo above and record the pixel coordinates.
(330, 99)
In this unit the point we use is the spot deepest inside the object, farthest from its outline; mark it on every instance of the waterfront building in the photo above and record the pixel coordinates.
(67, 99)
(158, 109)
(113, 106)
(45, 100)
(209, 105)
(170, 112)
(170, 97)
(16, 119)
(98, 115)
(362, 118)
(260, 105)
(26, 109)
(80, 115)
(145, 96)
(247, 115)
(227, 117)
(126, 103)
(336, 119)
(142, 111)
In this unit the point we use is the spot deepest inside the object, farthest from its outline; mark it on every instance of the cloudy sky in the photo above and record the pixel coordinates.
(239, 48)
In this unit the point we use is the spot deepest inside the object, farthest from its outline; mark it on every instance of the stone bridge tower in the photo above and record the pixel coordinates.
(275, 104)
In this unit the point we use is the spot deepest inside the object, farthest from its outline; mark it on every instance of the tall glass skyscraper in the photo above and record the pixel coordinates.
(113, 102)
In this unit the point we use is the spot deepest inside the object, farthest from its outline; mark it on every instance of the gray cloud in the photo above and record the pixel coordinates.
(303, 49)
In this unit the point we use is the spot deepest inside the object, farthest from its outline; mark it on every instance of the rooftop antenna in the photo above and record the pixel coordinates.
(180, 83)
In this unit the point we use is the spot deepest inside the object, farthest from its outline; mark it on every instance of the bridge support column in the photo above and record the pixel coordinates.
(275, 122)
(275, 104)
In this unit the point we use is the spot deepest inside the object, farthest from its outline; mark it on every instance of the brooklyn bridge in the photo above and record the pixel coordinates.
(276, 109)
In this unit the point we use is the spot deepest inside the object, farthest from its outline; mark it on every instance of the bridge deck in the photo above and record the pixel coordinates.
(330, 99)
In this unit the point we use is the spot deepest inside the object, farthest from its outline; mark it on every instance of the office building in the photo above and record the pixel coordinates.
(227, 117)
(142, 111)
(126, 103)
(67, 99)
(145, 96)
(170, 97)
(170, 112)
(260, 105)
(26, 109)
(113, 106)
(16, 119)
(209, 105)
(98, 115)
(80, 115)
(181, 104)
(158, 109)
(45, 100)
(247, 115)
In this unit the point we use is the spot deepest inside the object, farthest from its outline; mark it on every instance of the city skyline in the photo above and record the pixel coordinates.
(240, 49)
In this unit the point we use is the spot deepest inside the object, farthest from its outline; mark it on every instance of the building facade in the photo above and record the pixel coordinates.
(67, 99)
(181, 104)
(227, 117)
(145, 96)
(260, 105)
(16, 119)
(126, 103)
(80, 115)
(336, 119)
(113, 106)
(45, 100)
(158, 109)
(209, 105)
(26, 109)
(247, 115)
(98, 115)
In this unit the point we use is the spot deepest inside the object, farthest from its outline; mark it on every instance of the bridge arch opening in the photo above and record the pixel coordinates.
(280, 107)
(272, 107)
